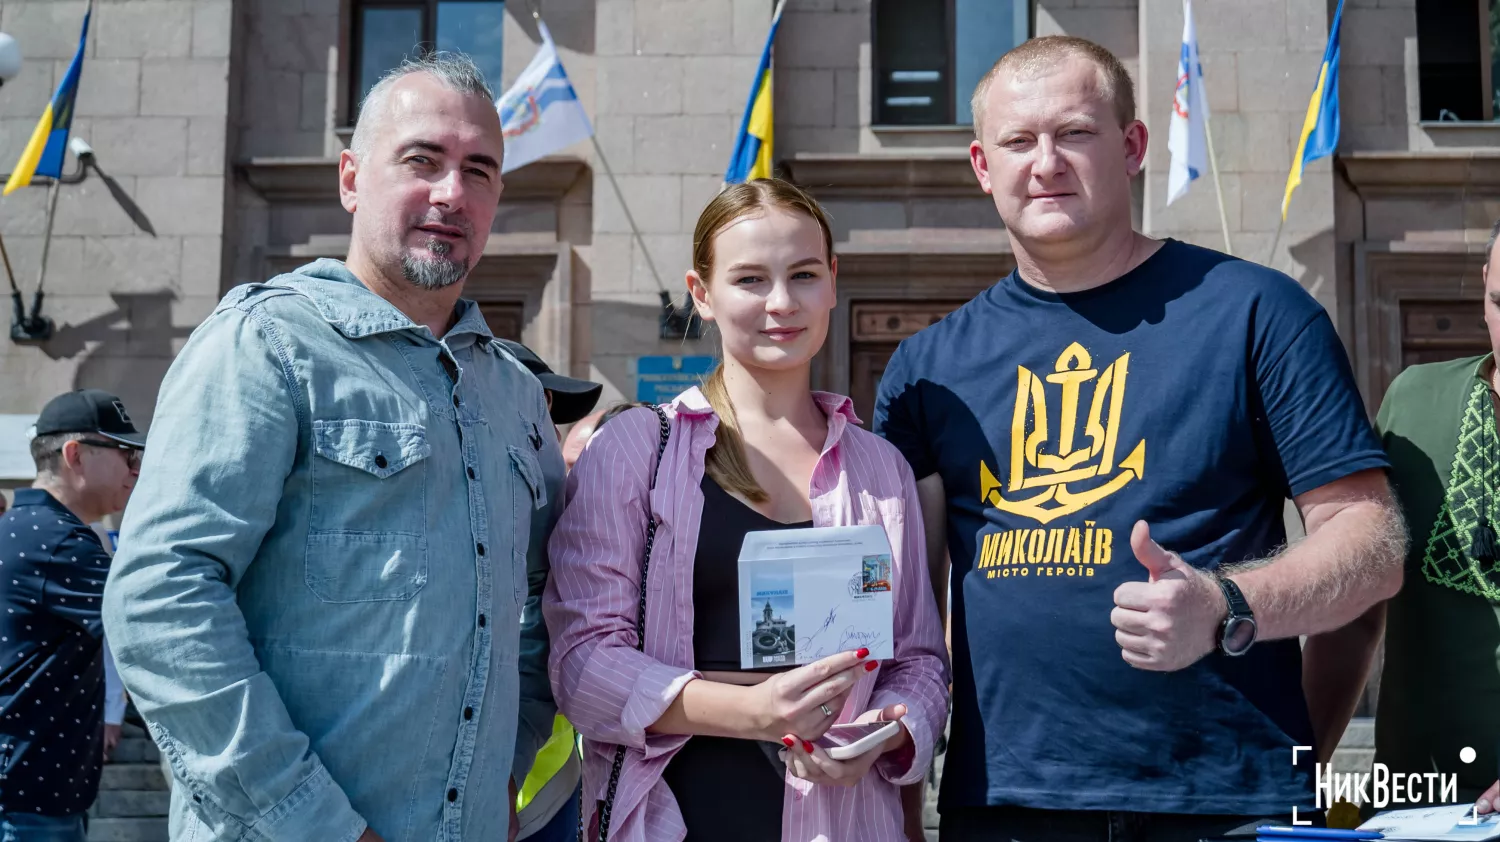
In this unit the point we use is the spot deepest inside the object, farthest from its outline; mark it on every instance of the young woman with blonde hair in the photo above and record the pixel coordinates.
(680, 743)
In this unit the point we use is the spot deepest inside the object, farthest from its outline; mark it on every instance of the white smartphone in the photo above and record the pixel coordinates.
(842, 742)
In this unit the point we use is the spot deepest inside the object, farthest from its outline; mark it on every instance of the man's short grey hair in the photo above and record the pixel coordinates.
(1489, 247)
(456, 71)
(46, 452)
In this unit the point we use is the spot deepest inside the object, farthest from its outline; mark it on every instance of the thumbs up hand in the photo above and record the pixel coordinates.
(1171, 620)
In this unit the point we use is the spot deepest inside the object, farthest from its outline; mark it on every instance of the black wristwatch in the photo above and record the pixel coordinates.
(1237, 632)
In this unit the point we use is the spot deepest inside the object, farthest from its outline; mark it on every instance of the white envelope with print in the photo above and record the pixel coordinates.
(806, 594)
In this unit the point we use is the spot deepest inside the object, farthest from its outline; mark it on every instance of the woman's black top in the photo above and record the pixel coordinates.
(729, 790)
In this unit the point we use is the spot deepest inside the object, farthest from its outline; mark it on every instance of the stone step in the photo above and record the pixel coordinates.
(128, 830)
(131, 803)
(135, 750)
(1359, 734)
(132, 776)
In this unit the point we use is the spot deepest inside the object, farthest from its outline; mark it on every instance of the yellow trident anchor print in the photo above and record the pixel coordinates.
(1055, 472)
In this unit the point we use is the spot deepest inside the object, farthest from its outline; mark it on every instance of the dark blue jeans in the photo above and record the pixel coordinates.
(1020, 824)
(564, 826)
(31, 827)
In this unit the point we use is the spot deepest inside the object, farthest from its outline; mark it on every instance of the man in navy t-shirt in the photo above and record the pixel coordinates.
(1105, 440)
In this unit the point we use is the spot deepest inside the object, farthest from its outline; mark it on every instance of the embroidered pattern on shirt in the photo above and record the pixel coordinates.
(1475, 468)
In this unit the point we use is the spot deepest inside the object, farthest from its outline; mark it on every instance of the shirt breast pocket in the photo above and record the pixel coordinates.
(367, 536)
(528, 498)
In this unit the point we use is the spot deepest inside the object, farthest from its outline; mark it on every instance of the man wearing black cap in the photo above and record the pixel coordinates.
(547, 808)
(87, 455)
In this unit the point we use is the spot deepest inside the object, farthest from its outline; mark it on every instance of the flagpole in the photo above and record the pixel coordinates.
(1213, 162)
(609, 171)
(41, 271)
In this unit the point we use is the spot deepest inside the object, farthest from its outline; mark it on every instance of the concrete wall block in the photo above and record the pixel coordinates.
(1382, 138)
(861, 6)
(978, 212)
(1271, 141)
(28, 94)
(684, 27)
(1115, 29)
(315, 111)
(616, 136)
(24, 212)
(1255, 24)
(144, 29)
(1221, 75)
(291, 42)
(272, 101)
(609, 264)
(697, 192)
(673, 254)
(793, 139)
(1307, 25)
(47, 29)
(108, 87)
(1409, 219)
(829, 40)
(184, 88)
(805, 98)
(1394, 89)
(1311, 209)
(641, 85)
(64, 266)
(1278, 82)
(131, 264)
(655, 201)
(213, 28)
(686, 145)
(206, 149)
(1377, 36)
(1198, 210)
(848, 97)
(1119, 4)
(1362, 95)
(752, 23)
(89, 210)
(849, 215)
(718, 84)
(614, 28)
(201, 266)
(183, 205)
(140, 145)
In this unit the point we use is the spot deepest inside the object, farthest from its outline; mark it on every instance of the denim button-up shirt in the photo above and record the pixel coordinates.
(318, 595)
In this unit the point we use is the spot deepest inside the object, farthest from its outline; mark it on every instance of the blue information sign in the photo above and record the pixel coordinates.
(660, 379)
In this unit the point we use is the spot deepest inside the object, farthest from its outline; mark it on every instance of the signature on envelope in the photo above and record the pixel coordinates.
(849, 638)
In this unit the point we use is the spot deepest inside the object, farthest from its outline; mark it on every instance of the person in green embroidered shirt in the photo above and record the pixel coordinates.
(1440, 686)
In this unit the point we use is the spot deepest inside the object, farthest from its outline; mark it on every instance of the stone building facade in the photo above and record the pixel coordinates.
(224, 119)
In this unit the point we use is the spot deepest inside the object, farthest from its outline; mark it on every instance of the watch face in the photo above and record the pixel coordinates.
(1239, 633)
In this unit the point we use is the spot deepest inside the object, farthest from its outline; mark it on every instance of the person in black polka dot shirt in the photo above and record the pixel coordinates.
(52, 572)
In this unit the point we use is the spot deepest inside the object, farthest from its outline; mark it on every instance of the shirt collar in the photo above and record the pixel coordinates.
(357, 312)
(43, 498)
(838, 408)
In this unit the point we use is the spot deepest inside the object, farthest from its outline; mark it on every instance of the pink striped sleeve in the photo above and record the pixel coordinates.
(918, 676)
(607, 689)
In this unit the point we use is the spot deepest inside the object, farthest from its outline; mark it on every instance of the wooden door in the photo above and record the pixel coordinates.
(876, 328)
(505, 318)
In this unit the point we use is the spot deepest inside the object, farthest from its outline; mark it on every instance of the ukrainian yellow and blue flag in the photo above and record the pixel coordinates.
(1320, 129)
(49, 141)
(752, 149)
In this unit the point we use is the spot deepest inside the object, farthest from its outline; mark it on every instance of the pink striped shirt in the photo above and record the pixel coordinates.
(612, 693)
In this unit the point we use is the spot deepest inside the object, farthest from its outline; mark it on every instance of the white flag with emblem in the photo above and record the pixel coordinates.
(1187, 139)
(541, 113)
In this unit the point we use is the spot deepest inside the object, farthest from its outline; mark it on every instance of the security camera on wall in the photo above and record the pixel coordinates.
(10, 58)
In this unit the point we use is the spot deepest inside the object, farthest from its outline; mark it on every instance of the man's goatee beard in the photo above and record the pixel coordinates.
(434, 272)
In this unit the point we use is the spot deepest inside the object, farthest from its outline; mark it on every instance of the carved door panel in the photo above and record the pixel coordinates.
(876, 329)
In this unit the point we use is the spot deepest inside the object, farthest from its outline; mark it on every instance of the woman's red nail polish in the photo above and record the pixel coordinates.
(871, 665)
(788, 741)
(862, 653)
(807, 746)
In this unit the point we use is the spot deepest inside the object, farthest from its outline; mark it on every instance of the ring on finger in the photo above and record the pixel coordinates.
(826, 711)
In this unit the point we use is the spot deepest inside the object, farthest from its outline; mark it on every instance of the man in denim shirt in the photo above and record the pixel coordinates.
(317, 596)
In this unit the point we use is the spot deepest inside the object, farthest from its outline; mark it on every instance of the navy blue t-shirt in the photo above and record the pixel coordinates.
(52, 573)
(1196, 392)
